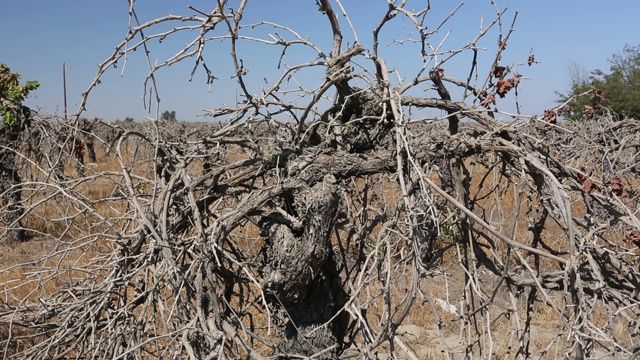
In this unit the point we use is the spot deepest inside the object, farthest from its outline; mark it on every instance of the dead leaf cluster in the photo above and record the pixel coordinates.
(614, 183)
(531, 59)
(597, 93)
(488, 101)
(505, 85)
(589, 110)
(632, 236)
(551, 116)
(499, 71)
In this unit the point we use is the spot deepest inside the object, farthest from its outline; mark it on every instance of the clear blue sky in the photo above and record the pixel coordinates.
(39, 35)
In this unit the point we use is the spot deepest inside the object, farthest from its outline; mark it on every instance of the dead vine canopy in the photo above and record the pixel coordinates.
(322, 220)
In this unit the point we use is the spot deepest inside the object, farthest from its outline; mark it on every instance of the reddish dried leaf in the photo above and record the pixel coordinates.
(589, 186)
(564, 110)
(616, 185)
(503, 86)
(551, 116)
(499, 71)
(491, 99)
(632, 236)
(588, 110)
(531, 59)
(598, 93)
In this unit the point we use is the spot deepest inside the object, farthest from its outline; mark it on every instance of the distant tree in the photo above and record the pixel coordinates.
(169, 116)
(127, 120)
(578, 74)
(617, 90)
(15, 118)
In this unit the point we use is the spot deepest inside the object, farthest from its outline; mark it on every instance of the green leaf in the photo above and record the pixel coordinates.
(12, 94)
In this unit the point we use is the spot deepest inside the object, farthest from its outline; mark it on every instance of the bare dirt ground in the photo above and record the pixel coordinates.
(26, 252)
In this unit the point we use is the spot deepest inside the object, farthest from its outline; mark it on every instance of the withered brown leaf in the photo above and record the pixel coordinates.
(503, 86)
(616, 185)
(598, 92)
(551, 116)
(491, 99)
(499, 71)
(588, 110)
(564, 110)
(589, 186)
(632, 236)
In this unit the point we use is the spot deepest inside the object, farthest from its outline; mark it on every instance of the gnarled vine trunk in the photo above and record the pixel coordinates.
(301, 277)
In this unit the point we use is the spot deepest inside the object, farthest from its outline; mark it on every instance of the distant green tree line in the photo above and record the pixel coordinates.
(617, 91)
